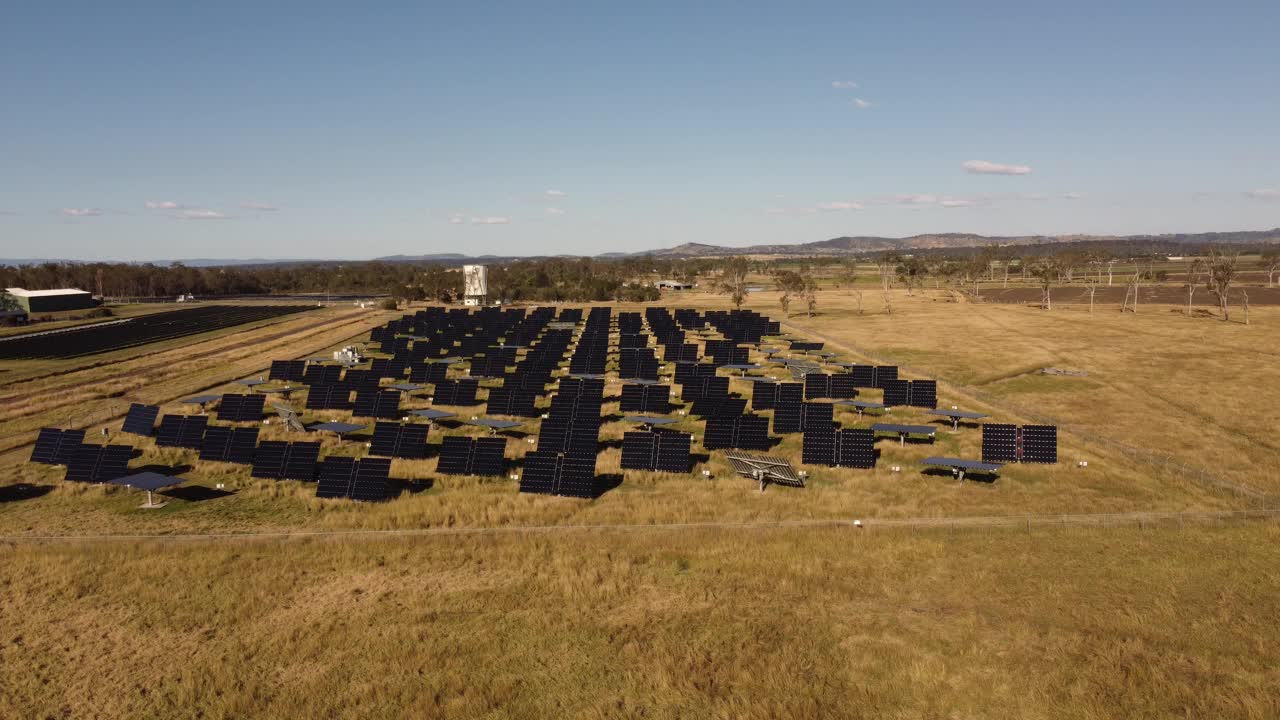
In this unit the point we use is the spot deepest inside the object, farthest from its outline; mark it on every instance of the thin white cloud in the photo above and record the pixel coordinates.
(839, 205)
(554, 211)
(986, 167)
(258, 205)
(1071, 196)
(555, 193)
(457, 219)
(490, 220)
(81, 212)
(200, 214)
(844, 84)
(1272, 193)
(162, 205)
(917, 199)
(862, 104)
(957, 203)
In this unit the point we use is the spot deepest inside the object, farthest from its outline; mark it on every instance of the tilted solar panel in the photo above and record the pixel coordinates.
(639, 450)
(817, 385)
(924, 394)
(819, 446)
(334, 477)
(999, 443)
(170, 426)
(896, 392)
(429, 373)
(864, 376)
(488, 457)
(885, 374)
(191, 432)
(98, 463)
(216, 443)
(141, 419)
(370, 482)
(538, 474)
(1039, 444)
(268, 460)
(56, 447)
(244, 442)
(577, 477)
(300, 464)
(843, 386)
(857, 448)
(674, 452)
(289, 370)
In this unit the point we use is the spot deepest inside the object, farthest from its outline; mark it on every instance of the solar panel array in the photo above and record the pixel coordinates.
(377, 404)
(1002, 443)
(472, 456)
(664, 451)
(745, 432)
(792, 417)
(820, 385)
(241, 408)
(456, 392)
(279, 460)
(645, 398)
(288, 370)
(182, 431)
(916, 393)
(344, 477)
(704, 387)
(141, 419)
(99, 463)
(328, 397)
(637, 363)
(551, 473)
(55, 447)
(804, 346)
(431, 372)
(687, 372)
(766, 396)
(401, 441)
(513, 401)
(322, 375)
(851, 447)
(227, 444)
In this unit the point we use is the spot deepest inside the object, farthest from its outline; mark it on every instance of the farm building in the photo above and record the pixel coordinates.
(34, 301)
(673, 285)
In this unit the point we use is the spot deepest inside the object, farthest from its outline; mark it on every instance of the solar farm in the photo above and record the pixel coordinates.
(685, 490)
(533, 383)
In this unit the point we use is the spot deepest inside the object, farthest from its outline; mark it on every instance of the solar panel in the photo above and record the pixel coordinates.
(322, 375)
(370, 482)
(377, 404)
(674, 452)
(896, 392)
(512, 401)
(99, 463)
(538, 474)
(300, 462)
(241, 408)
(217, 440)
(924, 394)
(170, 426)
(403, 441)
(141, 419)
(819, 446)
(747, 432)
(328, 397)
(456, 392)
(1039, 444)
(334, 477)
(885, 374)
(857, 448)
(268, 459)
(764, 468)
(687, 371)
(472, 456)
(705, 386)
(718, 405)
(577, 476)
(864, 376)
(999, 443)
(55, 447)
(639, 450)
(428, 373)
(288, 370)
(243, 443)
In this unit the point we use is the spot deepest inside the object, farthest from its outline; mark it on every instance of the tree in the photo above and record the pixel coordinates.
(886, 266)
(1195, 271)
(911, 271)
(1271, 263)
(9, 303)
(809, 290)
(1091, 286)
(789, 283)
(847, 275)
(1220, 273)
(733, 280)
(1046, 271)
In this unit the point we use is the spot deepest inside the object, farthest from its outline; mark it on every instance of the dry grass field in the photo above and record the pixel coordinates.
(835, 623)
(822, 621)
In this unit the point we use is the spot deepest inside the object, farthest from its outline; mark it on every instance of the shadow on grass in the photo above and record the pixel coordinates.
(23, 491)
(195, 493)
(170, 470)
(978, 477)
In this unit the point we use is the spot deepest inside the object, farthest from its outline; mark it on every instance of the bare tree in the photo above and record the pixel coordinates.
(1195, 273)
(733, 280)
(1221, 272)
(1271, 263)
(809, 291)
(1111, 268)
(789, 283)
(1244, 297)
(1045, 270)
(1091, 286)
(886, 267)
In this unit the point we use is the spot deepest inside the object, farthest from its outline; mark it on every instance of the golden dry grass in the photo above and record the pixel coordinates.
(732, 624)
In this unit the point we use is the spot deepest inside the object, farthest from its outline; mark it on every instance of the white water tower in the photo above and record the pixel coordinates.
(475, 286)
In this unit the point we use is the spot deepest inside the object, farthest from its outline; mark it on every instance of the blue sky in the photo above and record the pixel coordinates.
(160, 130)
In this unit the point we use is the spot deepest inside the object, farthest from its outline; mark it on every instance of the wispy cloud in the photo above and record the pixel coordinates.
(555, 193)
(162, 205)
(200, 214)
(958, 203)
(986, 167)
(490, 220)
(258, 205)
(1272, 193)
(1071, 196)
(844, 84)
(838, 206)
(862, 104)
(457, 219)
(554, 211)
(81, 212)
